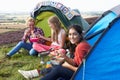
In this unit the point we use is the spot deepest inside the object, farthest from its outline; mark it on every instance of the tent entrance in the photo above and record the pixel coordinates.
(42, 22)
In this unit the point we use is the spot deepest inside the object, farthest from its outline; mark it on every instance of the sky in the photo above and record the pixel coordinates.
(81, 5)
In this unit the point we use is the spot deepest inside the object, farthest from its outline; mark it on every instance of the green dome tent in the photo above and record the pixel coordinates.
(67, 16)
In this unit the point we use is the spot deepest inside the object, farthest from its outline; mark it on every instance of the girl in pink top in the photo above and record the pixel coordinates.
(58, 36)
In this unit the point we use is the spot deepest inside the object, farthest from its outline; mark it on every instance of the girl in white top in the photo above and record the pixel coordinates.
(58, 36)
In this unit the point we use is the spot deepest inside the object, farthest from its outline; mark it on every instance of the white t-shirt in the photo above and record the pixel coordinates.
(62, 31)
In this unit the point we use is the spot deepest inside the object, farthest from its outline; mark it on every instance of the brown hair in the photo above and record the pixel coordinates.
(77, 28)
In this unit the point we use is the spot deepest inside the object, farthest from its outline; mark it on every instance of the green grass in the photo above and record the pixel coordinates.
(9, 67)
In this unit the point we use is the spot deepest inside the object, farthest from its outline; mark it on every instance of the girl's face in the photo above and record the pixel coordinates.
(31, 24)
(51, 25)
(73, 36)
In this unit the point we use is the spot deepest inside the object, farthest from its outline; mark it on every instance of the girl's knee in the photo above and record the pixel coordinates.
(57, 67)
(32, 52)
(21, 42)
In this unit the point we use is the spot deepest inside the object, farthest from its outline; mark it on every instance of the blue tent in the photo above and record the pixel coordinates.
(103, 61)
(101, 23)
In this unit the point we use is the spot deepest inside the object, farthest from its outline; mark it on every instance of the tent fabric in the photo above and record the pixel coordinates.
(66, 15)
(101, 23)
(106, 17)
(103, 63)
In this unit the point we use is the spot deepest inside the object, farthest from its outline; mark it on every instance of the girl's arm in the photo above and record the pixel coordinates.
(26, 33)
(69, 60)
(69, 66)
(63, 36)
(45, 38)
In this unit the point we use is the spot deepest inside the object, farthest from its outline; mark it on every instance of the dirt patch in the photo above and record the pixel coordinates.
(11, 37)
(91, 20)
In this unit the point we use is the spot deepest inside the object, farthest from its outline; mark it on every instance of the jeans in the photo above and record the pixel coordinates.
(58, 73)
(22, 44)
(33, 52)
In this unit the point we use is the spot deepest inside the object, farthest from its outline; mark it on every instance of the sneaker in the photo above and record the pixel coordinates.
(43, 53)
(4, 58)
(7, 57)
(24, 73)
(29, 74)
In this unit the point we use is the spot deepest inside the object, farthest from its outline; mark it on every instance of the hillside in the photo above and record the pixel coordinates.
(11, 37)
(15, 36)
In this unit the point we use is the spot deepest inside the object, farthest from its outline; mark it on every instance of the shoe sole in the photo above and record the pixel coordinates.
(21, 72)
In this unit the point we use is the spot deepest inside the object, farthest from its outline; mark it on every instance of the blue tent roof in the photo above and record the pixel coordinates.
(103, 61)
(100, 24)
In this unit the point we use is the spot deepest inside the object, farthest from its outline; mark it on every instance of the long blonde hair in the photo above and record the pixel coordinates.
(54, 20)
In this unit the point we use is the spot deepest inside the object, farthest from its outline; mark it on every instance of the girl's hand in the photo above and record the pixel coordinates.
(39, 36)
(62, 53)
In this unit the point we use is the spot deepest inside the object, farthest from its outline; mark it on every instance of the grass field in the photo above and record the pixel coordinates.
(22, 60)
